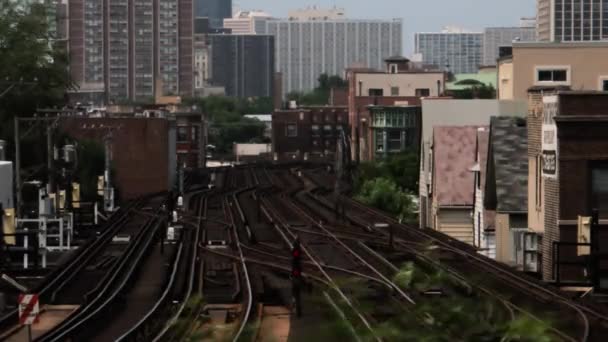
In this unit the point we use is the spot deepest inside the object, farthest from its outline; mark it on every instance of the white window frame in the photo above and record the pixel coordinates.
(602, 79)
(539, 68)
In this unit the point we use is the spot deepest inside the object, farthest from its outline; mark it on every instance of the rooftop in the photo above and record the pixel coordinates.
(454, 152)
(465, 81)
(507, 184)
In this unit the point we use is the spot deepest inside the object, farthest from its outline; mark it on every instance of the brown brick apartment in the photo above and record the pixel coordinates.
(568, 177)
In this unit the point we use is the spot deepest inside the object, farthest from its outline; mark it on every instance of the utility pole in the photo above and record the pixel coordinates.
(2, 150)
(17, 169)
(358, 127)
(296, 275)
(50, 150)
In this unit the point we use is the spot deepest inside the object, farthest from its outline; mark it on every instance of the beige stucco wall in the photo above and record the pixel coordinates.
(505, 80)
(536, 214)
(587, 62)
(407, 83)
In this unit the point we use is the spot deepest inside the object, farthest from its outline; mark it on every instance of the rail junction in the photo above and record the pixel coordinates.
(224, 269)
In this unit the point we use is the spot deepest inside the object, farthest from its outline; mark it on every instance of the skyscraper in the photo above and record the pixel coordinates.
(496, 37)
(247, 22)
(458, 50)
(572, 20)
(215, 10)
(243, 64)
(312, 42)
(123, 48)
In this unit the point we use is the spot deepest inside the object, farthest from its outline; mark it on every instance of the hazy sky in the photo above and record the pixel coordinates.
(417, 15)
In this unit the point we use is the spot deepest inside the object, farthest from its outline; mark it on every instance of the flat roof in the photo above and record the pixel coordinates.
(560, 45)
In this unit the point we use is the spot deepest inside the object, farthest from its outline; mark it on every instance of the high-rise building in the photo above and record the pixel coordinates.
(572, 20)
(248, 22)
(497, 37)
(456, 50)
(317, 42)
(215, 10)
(125, 49)
(243, 64)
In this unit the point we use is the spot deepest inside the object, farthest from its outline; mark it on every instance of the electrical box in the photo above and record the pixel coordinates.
(6, 184)
(62, 199)
(584, 234)
(76, 195)
(8, 224)
(101, 184)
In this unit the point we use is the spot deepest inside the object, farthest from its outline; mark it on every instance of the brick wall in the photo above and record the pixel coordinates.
(552, 232)
(140, 151)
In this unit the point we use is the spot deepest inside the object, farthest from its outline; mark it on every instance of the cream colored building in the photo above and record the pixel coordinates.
(574, 65)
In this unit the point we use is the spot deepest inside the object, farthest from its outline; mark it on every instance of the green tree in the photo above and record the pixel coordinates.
(403, 169)
(33, 68)
(384, 194)
(320, 95)
(476, 91)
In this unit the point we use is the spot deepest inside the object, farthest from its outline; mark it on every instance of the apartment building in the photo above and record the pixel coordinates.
(122, 48)
(308, 133)
(453, 49)
(312, 42)
(394, 130)
(572, 20)
(567, 175)
(248, 22)
(243, 64)
(215, 10)
(397, 84)
(496, 37)
(574, 65)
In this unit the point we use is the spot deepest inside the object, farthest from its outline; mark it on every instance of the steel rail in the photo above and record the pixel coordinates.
(161, 335)
(77, 320)
(326, 275)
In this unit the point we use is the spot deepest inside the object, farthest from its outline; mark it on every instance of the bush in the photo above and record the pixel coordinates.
(384, 194)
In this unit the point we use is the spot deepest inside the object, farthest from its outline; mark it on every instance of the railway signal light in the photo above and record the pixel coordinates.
(296, 259)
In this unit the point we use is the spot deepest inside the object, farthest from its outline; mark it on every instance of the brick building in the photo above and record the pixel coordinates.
(307, 133)
(397, 85)
(568, 174)
(394, 129)
(140, 150)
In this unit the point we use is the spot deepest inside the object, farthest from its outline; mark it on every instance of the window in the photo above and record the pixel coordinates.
(394, 141)
(394, 91)
(423, 92)
(553, 75)
(604, 83)
(393, 68)
(375, 92)
(599, 188)
(291, 130)
(182, 134)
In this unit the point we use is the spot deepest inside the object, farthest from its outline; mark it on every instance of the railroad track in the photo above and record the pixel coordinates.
(103, 300)
(70, 283)
(463, 259)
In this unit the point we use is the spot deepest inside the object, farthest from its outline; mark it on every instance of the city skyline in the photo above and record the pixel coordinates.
(428, 16)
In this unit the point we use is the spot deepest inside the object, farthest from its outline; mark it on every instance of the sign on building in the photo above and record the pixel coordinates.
(29, 308)
(549, 137)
